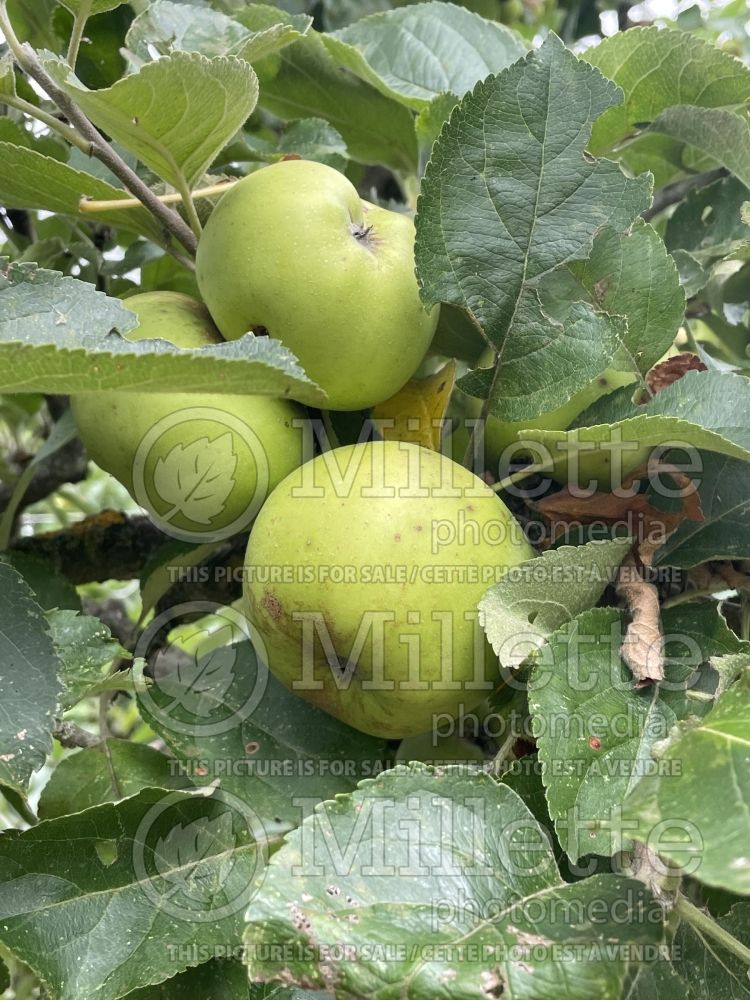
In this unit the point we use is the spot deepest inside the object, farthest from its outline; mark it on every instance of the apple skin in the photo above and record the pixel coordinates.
(313, 527)
(113, 424)
(502, 434)
(294, 251)
(431, 749)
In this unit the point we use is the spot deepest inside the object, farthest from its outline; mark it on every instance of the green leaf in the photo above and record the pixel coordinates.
(313, 139)
(162, 570)
(228, 718)
(709, 223)
(632, 275)
(708, 971)
(54, 337)
(415, 53)
(706, 410)
(509, 196)
(693, 275)
(85, 649)
(661, 979)
(273, 29)
(569, 354)
(722, 135)
(47, 144)
(33, 22)
(29, 683)
(87, 778)
(148, 881)
(304, 81)
(534, 599)
(50, 588)
(169, 27)
(595, 731)
(175, 114)
(705, 779)
(724, 491)
(657, 69)
(214, 980)
(428, 124)
(34, 181)
(96, 6)
(435, 868)
(63, 432)
(308, 138)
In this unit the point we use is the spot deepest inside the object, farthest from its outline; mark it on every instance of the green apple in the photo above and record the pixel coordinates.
(200, 463)
(431, 749)
(363, 575)
(501, 437)
(293, 251)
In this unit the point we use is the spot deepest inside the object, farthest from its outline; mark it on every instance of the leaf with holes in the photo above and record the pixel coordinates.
(596, 733)
(380, 864)
(143, 912)
(704, 776)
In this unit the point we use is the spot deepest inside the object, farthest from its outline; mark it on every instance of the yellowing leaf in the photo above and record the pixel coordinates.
(416, 413)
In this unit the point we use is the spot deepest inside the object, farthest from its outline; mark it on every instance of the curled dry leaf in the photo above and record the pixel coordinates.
(642, 648)
(669, 371)
(642, 520)
(713, 577)
(417, 412)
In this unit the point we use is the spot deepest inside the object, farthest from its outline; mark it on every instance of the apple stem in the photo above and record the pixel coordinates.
(116, 204)
(703, 924)
(189, 205)
(79, 26)
(524, 473)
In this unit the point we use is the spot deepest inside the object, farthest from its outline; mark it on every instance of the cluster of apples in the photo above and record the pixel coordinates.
(361, 606)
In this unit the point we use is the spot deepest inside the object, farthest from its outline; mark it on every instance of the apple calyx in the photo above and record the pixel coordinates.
(361, 232)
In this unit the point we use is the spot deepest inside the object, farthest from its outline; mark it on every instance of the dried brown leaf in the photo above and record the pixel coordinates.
(666, 372)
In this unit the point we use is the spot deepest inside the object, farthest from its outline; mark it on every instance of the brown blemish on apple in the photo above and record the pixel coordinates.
(272, 606)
